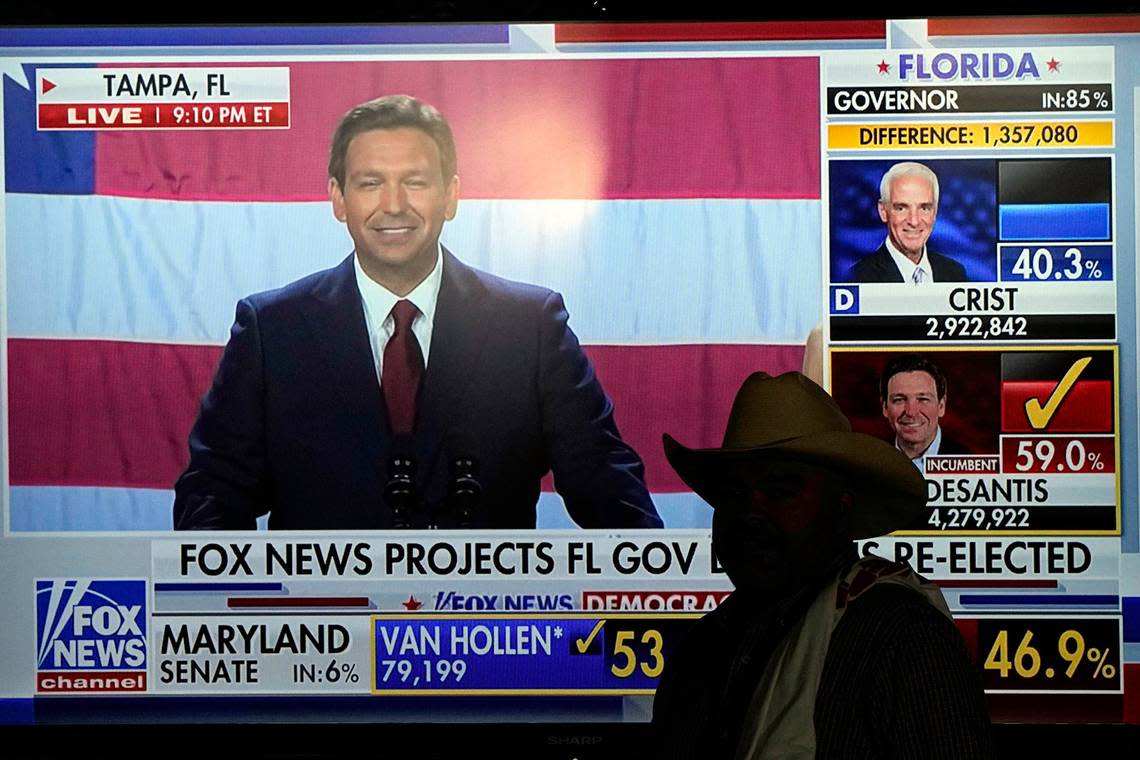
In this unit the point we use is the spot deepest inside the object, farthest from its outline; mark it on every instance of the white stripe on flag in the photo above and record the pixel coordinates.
(648, 271)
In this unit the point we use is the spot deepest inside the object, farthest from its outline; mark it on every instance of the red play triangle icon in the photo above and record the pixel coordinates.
(48, 86)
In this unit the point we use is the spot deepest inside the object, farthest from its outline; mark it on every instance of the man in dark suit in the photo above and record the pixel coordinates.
(908, 205)
(403, 388)
(912, 390)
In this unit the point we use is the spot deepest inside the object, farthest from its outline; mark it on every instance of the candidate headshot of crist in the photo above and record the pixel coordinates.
(908, 206)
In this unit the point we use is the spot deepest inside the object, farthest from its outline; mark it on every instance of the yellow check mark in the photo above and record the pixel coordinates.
(584, 645)
(1038, 415)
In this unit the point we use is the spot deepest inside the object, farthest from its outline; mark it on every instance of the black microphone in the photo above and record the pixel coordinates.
(464, 490)
(400, 490)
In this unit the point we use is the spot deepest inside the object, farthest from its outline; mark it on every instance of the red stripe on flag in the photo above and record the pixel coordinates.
(584, 129)
(943, 27)
(102, 413)
(685, 390)
(723, 31)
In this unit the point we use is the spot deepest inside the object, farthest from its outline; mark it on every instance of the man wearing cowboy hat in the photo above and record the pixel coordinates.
(817, 653)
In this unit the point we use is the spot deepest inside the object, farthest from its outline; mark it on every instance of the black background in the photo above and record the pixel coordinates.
(299, 738)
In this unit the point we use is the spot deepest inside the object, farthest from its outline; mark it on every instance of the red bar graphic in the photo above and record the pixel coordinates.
(936, 27)
(979, 583)
(723, 31)
(1086, 408)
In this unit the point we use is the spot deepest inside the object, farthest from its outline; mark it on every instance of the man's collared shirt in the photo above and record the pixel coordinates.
(378, 302)
(906, 267)
(931, 450)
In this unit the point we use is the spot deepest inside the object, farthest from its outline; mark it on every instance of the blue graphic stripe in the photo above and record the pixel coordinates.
(1055, 221)
(1130, 605)
(215, 36)
(17, 711)
(1034, 600)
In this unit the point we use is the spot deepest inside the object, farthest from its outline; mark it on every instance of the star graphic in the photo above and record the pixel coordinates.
(412, 603)
(1053, 64)
(884, 67)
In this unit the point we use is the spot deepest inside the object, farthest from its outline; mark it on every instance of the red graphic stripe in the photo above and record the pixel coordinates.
(1086, 408)
(996, 584)
(944, 27)
(584, 129)
(968, 627)
(105, 413)
(725, 31)
(1131, 693)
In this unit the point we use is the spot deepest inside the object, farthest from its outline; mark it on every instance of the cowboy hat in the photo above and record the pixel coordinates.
(791, 415)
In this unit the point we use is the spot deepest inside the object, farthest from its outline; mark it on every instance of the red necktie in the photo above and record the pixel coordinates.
(403, 368)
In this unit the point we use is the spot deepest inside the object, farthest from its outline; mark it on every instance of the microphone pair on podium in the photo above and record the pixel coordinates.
(463, 491)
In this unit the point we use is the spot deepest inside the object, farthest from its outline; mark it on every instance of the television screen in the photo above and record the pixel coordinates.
(213, 512)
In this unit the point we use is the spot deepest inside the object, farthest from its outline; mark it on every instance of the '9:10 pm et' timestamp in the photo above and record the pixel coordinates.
(220, 114)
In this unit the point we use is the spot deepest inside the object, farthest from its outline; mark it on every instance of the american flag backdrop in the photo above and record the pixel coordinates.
(674, 202)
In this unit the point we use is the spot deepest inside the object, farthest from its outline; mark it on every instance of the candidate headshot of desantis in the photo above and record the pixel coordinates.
(912, 390)
(403, 388)
(908, 206)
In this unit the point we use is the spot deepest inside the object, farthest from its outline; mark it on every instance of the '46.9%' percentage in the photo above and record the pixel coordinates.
(1051, 654)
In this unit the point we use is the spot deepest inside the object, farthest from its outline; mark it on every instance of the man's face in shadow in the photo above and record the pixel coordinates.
(780, 523)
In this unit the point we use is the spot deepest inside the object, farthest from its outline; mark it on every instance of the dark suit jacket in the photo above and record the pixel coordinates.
(295, 423)
(949, 445)
(880, 267)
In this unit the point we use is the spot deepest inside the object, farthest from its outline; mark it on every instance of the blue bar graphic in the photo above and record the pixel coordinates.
(1131, 608)
(1106, 600)
(1055, 221)
(218, 588)
(211, 36)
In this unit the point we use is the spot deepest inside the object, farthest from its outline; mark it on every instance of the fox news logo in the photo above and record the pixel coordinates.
(90, 635)
(451, 600)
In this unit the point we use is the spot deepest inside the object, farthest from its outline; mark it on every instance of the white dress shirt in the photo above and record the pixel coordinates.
(907, 267)
(931, 450)
(378, 302)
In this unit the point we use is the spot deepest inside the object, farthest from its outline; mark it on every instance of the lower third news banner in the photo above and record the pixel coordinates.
(424, 614)
(409, 613)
